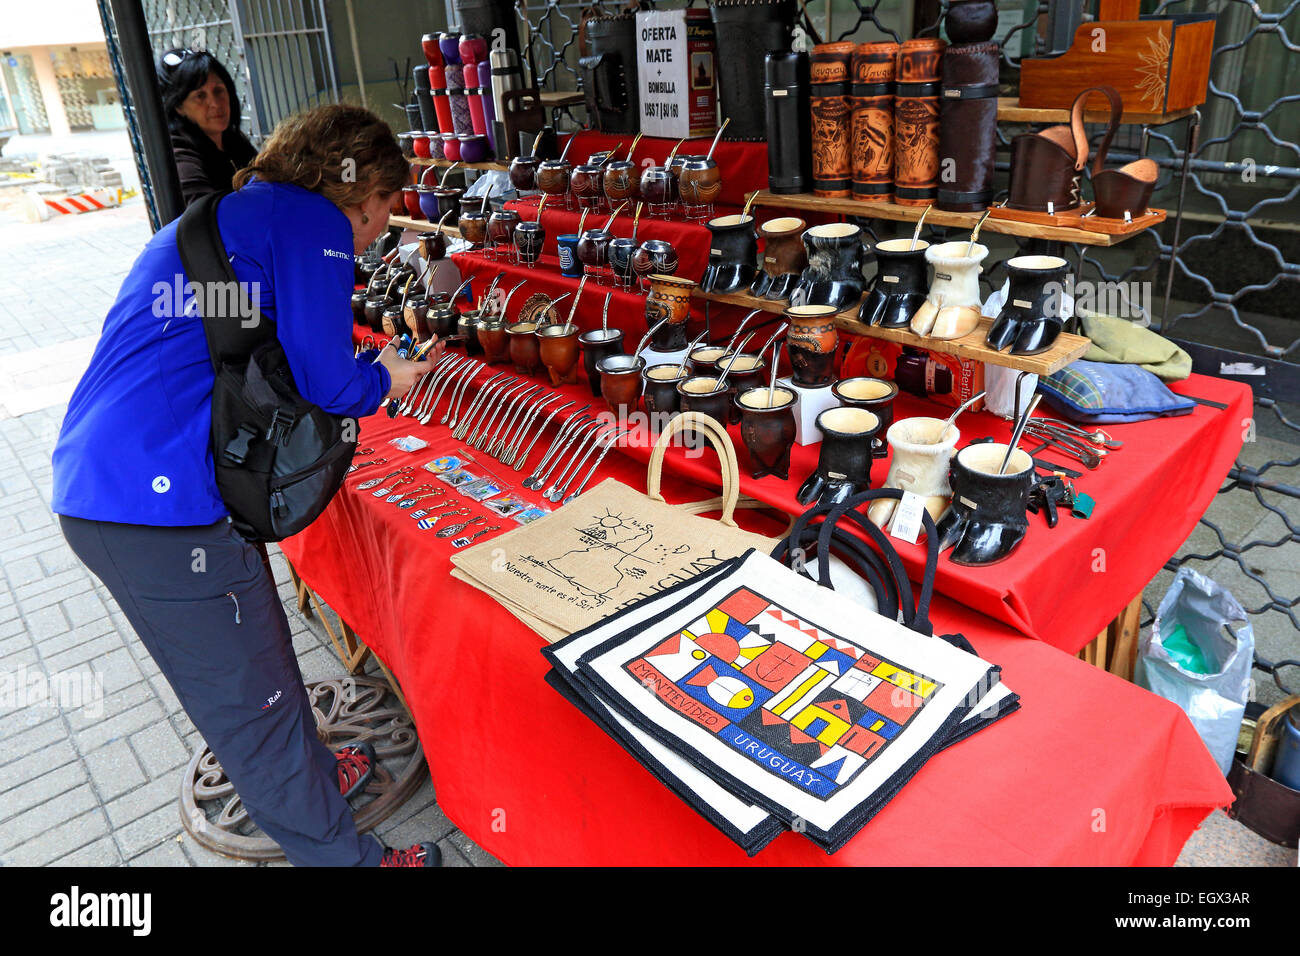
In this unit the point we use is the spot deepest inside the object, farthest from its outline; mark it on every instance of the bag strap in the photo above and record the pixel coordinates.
(1081, 137)
(888, 579)
(207, 266)
(721, 441)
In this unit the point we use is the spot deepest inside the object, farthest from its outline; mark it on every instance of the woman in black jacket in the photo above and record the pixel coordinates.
(203, 114)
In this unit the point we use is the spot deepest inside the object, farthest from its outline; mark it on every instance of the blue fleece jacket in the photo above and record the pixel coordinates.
(135, 444)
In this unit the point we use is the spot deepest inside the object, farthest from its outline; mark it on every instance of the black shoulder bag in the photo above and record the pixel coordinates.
(279, 458)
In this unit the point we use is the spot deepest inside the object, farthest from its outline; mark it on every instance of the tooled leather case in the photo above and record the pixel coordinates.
(874, 67)
(916, 122)
(831, 119)
(968, 126)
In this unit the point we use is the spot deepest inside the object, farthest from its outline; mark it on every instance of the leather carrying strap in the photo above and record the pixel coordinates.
(207, 265)
(1081, 136)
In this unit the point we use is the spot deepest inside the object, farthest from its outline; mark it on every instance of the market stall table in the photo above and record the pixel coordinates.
(1062, 585)
(1091, 770)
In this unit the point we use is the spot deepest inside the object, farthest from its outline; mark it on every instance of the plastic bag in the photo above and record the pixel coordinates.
(1198, 612)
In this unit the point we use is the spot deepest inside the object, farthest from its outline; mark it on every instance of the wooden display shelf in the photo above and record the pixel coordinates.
(1010, 111)
(552, 99)
(422, 225)
(442, 163)
(1064, 350)
(937, 217)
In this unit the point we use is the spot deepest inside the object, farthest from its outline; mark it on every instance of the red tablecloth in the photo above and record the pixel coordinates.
(1092, 770)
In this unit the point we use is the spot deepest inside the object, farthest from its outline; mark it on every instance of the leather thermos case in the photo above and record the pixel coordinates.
(745, 31)
(609, 75)
(831, 119)
(968, 126)
(789, 122)
(916, 122)
(873, 121)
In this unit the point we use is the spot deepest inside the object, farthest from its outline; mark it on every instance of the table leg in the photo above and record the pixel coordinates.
(1115, 648)
(300, 589)
(352, 652)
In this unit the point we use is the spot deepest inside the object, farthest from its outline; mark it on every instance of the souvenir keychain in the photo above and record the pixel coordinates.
(424, 524)
(451, 529)
(462, 542)
(367, 485)
(430, 493)
(363, 464)
(405, 479)
(398, 496)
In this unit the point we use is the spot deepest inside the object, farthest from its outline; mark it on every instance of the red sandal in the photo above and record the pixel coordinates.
(356, 765)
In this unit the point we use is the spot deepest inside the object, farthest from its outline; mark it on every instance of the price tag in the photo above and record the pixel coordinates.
(906, 525)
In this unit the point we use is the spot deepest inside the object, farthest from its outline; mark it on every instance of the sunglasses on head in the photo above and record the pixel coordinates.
(176, 58)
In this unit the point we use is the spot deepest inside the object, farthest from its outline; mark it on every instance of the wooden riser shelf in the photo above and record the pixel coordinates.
(1064, 350)
(422, 225)
(937, 217)
(442, 163)
(1010, 111)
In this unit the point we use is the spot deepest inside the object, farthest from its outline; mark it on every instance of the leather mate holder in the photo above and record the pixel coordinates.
(874, 67)
(788, 109)
(832, 118)
(745, 30)
(916, 122)
(968, 126)
(1125, 192)
(609, 74)
(1047, 166)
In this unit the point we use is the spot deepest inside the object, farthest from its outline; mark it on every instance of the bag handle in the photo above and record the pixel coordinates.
(889, 579)
(721, 441)
(207, 265)
(1081, 136)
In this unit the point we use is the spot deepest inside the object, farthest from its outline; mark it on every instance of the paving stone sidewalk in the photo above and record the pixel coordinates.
(99, 790)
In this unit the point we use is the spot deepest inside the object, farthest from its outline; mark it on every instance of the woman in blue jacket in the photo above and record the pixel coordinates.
(136, 491)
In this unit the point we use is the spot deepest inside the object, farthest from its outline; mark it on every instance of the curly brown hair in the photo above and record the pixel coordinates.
(345, 153)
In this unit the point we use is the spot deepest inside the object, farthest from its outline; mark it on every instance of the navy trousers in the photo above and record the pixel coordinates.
(206, 608)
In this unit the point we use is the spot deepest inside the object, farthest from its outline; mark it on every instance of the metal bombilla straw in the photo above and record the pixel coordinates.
(771, 385)
(681, 369)
(604, 312)
(916, 233)
(735, 335)
(646, 341)
(509, 294)
(574, 308)
(974, 234)
(1018, 432)
(731, 360)
(718, 137)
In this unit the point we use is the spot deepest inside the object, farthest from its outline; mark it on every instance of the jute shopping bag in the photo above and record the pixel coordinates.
(611, 546)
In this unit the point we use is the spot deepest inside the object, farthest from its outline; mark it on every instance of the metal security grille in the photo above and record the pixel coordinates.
(278, 52)
(289, 55)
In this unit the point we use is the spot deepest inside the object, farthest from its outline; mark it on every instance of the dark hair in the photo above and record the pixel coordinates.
(345, 153)
(180, 80)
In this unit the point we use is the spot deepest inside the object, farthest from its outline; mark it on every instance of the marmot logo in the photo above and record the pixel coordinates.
(334, 253)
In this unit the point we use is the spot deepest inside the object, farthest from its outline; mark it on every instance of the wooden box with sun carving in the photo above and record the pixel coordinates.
(1159, 63)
